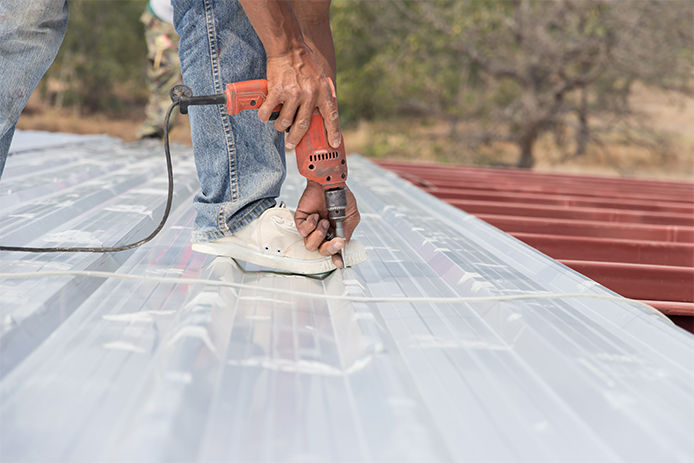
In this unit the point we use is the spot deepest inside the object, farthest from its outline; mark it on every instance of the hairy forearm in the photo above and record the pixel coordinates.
(314, 22)
(276, 25)
(299, 48)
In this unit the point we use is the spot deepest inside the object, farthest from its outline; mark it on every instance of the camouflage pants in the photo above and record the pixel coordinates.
(163, 72)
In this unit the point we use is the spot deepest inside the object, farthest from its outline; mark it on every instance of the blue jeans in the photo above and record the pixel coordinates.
(239, 159)
(30, 34)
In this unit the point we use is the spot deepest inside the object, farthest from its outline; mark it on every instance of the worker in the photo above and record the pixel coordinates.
(163, 67)
(239, 159)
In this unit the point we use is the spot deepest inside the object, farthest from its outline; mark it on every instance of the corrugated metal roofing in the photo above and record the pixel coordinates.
(634, 236)
(153, 369)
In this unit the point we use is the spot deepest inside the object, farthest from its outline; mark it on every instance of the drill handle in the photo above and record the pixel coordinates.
(249, 94)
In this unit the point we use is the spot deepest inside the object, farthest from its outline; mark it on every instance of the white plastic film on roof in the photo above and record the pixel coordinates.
(106, 369)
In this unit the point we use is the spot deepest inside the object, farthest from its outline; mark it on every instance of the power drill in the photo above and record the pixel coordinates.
(316, 159)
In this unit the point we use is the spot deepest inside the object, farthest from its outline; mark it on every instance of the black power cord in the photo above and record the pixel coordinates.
(180, 96)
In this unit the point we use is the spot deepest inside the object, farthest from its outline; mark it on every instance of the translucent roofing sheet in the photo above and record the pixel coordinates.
(107, 369)
(30, 140)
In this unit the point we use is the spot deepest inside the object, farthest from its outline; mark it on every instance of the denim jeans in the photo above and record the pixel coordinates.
(30, 34)
(239, 159)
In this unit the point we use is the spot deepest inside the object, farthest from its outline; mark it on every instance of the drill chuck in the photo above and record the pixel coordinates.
(336, 202)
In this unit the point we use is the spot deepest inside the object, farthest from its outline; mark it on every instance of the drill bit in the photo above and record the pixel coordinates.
(336, 202)
(340, 233)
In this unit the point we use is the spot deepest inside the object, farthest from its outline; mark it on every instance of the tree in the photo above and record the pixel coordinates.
(102, 61)
(522, 68)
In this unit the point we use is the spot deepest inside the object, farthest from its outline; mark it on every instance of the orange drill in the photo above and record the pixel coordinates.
(316, 159)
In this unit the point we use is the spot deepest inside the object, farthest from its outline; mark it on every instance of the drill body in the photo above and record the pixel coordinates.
(316, 159)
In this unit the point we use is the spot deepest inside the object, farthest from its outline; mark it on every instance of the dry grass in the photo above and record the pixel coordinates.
(671, 115)
(38, 116)
(423, 140)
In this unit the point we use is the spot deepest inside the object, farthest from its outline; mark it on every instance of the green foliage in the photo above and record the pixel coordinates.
(391, 63)
(516, 69)
(360, 76)
(101, 63)
(510, 70)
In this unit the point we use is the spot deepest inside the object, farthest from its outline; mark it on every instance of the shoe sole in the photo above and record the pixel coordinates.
(287, 264)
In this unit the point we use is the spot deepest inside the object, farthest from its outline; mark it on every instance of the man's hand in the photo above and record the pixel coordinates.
(296, 76)
(311, 220)
(296, 81)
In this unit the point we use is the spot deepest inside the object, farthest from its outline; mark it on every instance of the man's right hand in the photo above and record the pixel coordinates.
(295, 78)
(297, 82)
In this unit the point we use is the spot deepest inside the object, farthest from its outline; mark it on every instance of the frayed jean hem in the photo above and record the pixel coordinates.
(237, 222)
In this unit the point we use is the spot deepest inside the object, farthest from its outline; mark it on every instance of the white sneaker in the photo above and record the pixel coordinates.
(273, 241)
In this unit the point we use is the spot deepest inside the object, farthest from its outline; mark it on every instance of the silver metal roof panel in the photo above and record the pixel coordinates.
(107, 369)
(32, 140)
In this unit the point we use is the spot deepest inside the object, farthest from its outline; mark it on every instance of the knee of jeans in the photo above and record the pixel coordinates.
(42, 14)
(35, 31)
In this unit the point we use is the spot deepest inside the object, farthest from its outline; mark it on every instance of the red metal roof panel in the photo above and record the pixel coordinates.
(606, 250)
(572, 212)
(634, 236)
(628, 231)
(562, 200)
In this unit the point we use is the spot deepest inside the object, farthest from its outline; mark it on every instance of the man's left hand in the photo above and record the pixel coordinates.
(311, 220)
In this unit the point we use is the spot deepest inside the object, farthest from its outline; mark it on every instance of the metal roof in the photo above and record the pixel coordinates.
(164, 368)
(634, 236)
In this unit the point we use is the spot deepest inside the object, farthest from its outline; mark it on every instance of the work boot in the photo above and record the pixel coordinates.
(273, 241)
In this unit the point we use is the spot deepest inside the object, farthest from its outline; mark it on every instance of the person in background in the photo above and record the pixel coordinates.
(164, 67)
